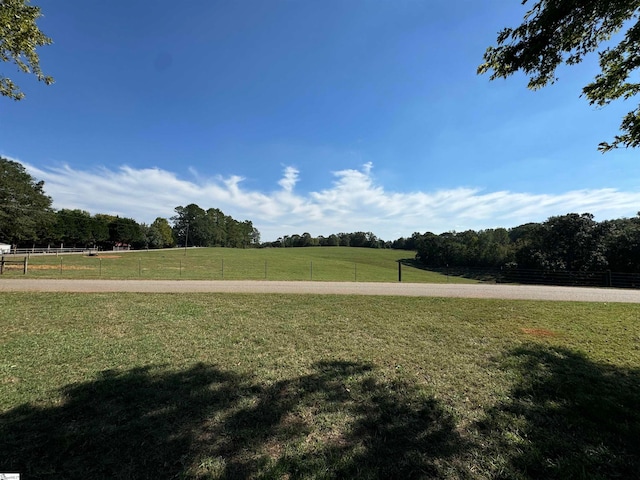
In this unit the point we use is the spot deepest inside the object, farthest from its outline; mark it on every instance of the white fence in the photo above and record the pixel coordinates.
(48, 250)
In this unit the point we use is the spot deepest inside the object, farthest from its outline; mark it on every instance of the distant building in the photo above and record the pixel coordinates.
(4, 248)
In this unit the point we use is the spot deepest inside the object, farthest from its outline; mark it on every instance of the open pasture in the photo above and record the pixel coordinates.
(310, 386)
(342, 264)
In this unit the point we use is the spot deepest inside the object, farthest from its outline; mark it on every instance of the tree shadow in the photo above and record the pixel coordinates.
(341, 420)
(567, 417)
(488, 274)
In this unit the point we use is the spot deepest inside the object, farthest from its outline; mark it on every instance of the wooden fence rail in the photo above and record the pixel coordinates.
(14, 261)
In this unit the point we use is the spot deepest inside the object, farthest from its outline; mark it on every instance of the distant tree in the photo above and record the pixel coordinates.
(127, 231)
(25, 210)
(74, 228)
(412, 242)
(575, 242)
(495, 247)
(622, 239)
(102, 221)
(100, 229)
(306, 240)
(153, 237)
(190, 225)
(254, 236)
(294, 240)
(212, 228)
(399, 244)
(160, 234)
(358, 239)
(482, 249)
(566, 242)
(333, 240)
(217, 226)
(431, 250)
(19, 38)
(564, 31)
(344, 239)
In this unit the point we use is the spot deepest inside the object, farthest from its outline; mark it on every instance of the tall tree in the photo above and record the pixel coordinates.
(564, 31)
(127, 231)
(74, 228)
(102, 222)
(217, 222)
(160, 234)
(19, 38)
(190, 225)
(623, 244)
(254, 236)
(25, 210)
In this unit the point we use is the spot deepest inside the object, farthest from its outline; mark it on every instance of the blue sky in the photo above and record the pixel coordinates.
(310, 116)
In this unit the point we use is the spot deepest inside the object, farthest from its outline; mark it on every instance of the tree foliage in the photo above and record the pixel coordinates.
(564, 243)
(160, 234)
(126, 231)
(25, 210)
(355, 239)
(19, 38)
(194, 226)
(78, 228)
(564, 31)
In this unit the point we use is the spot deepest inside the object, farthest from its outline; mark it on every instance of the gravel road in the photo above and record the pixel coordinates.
(522, 292)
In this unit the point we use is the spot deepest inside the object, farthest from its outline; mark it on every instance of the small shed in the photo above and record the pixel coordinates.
(5, 248)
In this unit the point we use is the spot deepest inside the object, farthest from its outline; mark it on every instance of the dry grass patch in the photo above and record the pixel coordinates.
(539, 332)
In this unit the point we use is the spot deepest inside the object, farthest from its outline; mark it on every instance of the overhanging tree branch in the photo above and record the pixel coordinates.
(564, 31)
(19, 38)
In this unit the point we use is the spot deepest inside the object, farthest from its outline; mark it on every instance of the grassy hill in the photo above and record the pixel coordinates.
(314, 263)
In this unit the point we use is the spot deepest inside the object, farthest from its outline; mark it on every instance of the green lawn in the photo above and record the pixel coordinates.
(306, 386)
(318, 264)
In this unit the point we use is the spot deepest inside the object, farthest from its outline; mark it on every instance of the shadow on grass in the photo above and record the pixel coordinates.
(340, 421)
(488, 275)
(567, 417)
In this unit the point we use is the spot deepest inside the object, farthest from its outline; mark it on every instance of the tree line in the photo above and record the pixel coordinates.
(197, 227)
(355, 239)
(571, 242)
(79, 229)
(27, 218)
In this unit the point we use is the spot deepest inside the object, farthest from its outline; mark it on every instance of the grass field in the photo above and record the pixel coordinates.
(318, 264)
(291, 386)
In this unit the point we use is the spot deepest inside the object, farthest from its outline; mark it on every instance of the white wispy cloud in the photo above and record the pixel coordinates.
(353, 201)
(289, 179)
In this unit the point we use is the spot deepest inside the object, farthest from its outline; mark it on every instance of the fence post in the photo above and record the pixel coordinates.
(24, 270)
(61, 265)
(100, 267)
(399, 271)
(2, 265)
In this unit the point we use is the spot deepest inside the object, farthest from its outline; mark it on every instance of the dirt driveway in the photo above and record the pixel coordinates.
(524, 292)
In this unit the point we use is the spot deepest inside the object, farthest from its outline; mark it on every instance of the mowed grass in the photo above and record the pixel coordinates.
(306, 386)
(344, 264)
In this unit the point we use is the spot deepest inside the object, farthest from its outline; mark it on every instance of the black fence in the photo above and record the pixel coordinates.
(546, 277)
